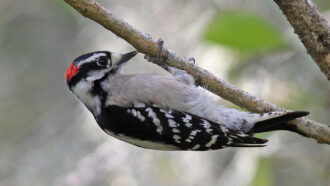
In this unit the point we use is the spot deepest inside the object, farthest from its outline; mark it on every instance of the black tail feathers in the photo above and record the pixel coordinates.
(278, 123)
(273, 121)
(243, 140)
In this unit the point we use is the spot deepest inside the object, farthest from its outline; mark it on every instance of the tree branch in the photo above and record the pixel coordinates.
(312, 29)
(144, 44)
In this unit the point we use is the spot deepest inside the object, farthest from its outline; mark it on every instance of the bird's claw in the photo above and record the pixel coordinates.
(159, 59)
(191, 59)
(198, 81)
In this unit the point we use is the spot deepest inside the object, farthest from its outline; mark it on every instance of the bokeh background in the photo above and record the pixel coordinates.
(48, 138)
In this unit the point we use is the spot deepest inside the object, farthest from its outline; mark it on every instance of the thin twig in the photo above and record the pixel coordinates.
(144, 44)
(312, 29)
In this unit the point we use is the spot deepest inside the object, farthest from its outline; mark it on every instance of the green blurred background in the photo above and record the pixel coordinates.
(49, 138)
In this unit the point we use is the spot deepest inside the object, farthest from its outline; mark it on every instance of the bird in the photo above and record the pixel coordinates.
(160, 112)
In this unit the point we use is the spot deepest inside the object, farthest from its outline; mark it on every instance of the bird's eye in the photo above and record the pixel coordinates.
(102, 62)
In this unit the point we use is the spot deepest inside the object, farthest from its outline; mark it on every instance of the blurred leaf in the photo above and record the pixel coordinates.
(263, 176)
(243, 31)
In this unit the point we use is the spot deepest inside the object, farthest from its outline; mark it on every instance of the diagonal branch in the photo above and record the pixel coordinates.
(144, 44)
(312, 29)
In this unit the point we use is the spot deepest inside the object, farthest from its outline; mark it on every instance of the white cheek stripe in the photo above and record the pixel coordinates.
(93, 57)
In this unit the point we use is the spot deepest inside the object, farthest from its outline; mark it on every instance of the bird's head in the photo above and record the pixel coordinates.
(95, 65)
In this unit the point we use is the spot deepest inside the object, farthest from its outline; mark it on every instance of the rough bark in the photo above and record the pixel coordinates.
(312, 29)
(145, 44)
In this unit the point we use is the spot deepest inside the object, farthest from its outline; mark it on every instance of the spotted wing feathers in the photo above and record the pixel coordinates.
(174, 128)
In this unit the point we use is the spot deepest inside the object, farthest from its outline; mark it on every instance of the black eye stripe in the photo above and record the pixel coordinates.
(83, 72)
(87, 66)
(109, 56)
(102, 61)
(84, 57)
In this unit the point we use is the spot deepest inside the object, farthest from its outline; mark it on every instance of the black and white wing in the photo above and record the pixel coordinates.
(153, 127)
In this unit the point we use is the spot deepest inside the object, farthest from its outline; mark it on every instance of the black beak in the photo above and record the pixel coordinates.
(126, 57)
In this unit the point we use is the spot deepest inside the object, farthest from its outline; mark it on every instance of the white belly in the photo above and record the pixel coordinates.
(143, 143)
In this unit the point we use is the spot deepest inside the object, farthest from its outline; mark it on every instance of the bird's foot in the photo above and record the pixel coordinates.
(197, 81)
(191, 59)
(159, 59)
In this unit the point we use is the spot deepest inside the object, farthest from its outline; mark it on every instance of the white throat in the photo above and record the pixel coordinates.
(83, 91)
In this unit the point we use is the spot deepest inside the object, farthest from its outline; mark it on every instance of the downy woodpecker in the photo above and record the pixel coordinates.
(161, 112)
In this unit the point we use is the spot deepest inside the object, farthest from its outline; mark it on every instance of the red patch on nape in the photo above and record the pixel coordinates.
(71, 71)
